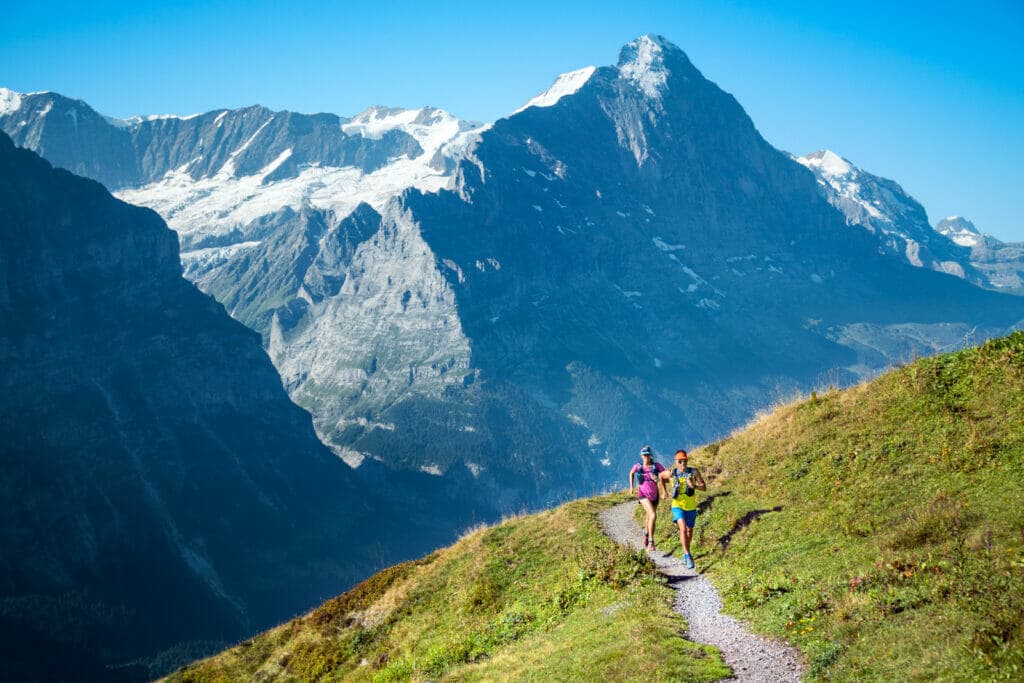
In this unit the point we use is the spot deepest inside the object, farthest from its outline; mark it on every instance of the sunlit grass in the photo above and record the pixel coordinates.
(540, 597)
(896, 549)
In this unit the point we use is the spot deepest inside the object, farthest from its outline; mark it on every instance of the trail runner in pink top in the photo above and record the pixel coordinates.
(645, 476)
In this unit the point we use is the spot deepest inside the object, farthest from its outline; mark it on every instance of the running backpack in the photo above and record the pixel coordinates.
(676, 481)
(640, 474)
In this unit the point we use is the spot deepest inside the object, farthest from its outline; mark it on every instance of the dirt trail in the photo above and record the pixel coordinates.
(752, 657)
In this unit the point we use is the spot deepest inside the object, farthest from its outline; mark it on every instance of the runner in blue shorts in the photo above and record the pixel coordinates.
(686, 482)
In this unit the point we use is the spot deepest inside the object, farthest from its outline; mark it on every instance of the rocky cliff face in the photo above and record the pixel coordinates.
(899, 222)
(881, 206)
(160, 489)
(1002, 263)
(622, 260)
(663, 287)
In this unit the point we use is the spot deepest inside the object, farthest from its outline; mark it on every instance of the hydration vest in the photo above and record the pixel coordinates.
(677, 480)
(640, 474)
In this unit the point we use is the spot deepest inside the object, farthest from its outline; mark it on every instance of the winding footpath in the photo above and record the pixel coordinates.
(751, 657)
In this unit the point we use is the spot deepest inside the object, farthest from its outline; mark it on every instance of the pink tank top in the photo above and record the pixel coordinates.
(649, 488)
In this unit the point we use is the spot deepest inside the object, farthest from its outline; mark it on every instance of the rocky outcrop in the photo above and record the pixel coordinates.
(161, 492)
(884, 209)
(1002, 263)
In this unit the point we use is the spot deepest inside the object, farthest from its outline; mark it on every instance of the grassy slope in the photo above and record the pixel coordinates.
(544, 597)
(897, 552)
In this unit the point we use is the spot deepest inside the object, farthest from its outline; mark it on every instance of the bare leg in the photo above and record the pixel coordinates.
(651, 516)
(684, 538)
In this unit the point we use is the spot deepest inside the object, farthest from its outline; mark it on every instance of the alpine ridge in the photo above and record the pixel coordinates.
(882, 207)
(1001, 262)
(623, 260)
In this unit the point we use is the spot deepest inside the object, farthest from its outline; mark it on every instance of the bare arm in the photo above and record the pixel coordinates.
(699, 480)
(663, 479)
(631, 482)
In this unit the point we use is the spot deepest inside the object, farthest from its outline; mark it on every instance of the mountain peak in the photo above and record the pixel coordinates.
(566, 84)
(956, 224)
(9, 101)
(830, 163)
(642, 61)
(960, 230)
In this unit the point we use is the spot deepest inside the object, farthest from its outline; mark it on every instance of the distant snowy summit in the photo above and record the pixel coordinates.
(210, 175)
(882, 207)
(1001, 262)
(960, 230)
(641, 62)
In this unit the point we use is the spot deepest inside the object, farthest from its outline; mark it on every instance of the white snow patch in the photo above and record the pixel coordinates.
(628, 293)
(273, 165)
(218, 205)
(566, 84)
(709, 304)
(830, 163)
(817, 279)
(454, 267)
(594, 441)
(646, 70)
(966, 239)
(202, 260)
(606, 462)
(10, 101)
(434, 129)
(666, 247)
(689, 271)
(475, 469)
(431, 469)
(576, 419)
(352, 458)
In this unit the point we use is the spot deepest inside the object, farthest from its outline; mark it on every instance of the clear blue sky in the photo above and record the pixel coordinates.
(931, 95)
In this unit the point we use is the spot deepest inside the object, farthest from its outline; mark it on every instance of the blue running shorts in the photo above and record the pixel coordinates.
(689, 517)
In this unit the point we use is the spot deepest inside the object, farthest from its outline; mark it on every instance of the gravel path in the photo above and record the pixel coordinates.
(751, 657)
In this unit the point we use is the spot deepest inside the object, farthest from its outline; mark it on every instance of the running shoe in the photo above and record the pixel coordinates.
(688, 561)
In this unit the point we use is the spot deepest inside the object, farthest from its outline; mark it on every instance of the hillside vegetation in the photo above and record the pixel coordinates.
(542, 597)
(889, 522)
(879, 529)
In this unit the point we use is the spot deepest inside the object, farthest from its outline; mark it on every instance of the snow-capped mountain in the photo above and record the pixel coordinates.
(1002, 263)
(211, 175)
(882, 207)
(622, 260)
(960, 230)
